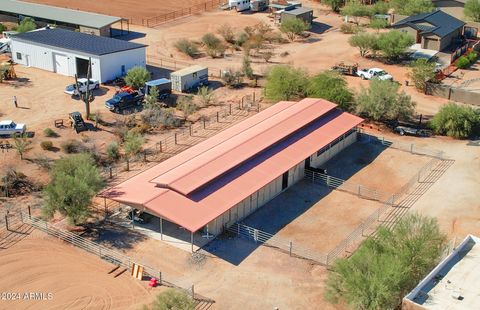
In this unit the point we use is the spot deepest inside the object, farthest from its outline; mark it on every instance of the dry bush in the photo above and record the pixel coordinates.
(72, 146)
(46, 145)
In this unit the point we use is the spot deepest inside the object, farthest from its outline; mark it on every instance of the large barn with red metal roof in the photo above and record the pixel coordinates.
(223, 179)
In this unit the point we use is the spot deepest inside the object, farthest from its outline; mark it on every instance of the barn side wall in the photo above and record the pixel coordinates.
(274, 188)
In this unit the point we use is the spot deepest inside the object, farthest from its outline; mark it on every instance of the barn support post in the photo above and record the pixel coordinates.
(161, 229)
(191, 241)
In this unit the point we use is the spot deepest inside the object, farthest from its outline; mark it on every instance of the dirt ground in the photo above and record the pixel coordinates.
(312, 216)
(38, 263)
(137, 9)
(370, 164)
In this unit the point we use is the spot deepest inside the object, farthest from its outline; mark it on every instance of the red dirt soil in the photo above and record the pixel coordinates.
(40, 263)
(136, 9)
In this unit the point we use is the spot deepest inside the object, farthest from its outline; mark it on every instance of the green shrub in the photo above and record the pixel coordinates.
(72, 146)
(285, 83)
(46, 145)
(226, 31)
(48, 132)
(456, 121)
(2, 27)
(293, 27)
(472, 57)
(232, 78)
(113, 152)
(350, 28)
(462, 62)
(27, 24)
(187, 47)
(172, 299)
(378, 24)
(210, 40)
(136, 77)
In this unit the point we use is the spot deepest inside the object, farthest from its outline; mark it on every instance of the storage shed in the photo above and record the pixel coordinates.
(302, 13)
(91, 23)
(67, 52)
(222, 180)
(189, 78)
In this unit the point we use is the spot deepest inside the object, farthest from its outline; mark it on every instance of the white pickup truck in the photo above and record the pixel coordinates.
(374, 73)
(72, 89)
(10, 128)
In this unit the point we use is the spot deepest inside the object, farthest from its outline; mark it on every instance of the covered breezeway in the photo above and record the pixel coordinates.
(161, 229)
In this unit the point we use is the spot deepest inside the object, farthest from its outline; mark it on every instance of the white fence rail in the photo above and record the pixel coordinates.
(406, 147)
(287, 246)
(104, 253)
(343, 185)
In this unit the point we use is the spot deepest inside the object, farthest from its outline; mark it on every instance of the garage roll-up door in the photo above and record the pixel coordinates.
(60, 63)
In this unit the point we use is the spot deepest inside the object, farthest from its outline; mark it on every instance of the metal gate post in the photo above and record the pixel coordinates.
(290, 248)
(6, 222)
(411, 148)
(175, 138)
(160, 277)
(359, 190)
(29, 212)
(218, 117)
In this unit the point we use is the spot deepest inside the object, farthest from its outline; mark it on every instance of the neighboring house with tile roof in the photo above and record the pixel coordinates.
(435, 30)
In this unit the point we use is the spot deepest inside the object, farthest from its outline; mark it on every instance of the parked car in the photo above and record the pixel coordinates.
(77, 122)
(374, 73)
(125, 101)
(9, 128)
(410, 131)
(72, 88)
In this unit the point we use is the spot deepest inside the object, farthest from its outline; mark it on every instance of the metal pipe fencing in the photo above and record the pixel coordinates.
(406, 147)
(343, 185)
(105, 253)
(259, 236)
(183, 12)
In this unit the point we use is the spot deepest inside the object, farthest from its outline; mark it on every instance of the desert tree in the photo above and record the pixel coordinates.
(137, 77)
(330, 86)
(293, 27)
(21, 144)
(186, 105)
(412, 7)
(365, 42)
(456, 121)
(205, 96)
(472, 10)
(382, 101)
(27, 24)
(386, 267)
(247, 67)
(74, 181)
(335, 5)
(394, 43)
(421, 72)
(285, 82)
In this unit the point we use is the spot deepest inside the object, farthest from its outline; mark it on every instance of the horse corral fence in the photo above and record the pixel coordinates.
(107, 254)
(170, 16)
(174, 64)
(368, 226)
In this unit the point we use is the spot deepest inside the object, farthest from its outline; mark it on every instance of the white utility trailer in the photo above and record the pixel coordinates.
(239, 5)
(189, 78)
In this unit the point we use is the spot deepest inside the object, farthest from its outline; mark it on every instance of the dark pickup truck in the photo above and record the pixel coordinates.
(125, 101)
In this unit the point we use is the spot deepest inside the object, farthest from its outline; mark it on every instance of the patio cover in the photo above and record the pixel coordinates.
(196, 186)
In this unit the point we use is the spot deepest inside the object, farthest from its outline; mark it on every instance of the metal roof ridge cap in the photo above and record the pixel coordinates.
(151, 180)
(294, 105)
(256, 153)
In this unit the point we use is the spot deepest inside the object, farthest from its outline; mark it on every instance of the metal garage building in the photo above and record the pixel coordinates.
(67, 52)
(223, 179)
(92, 23)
